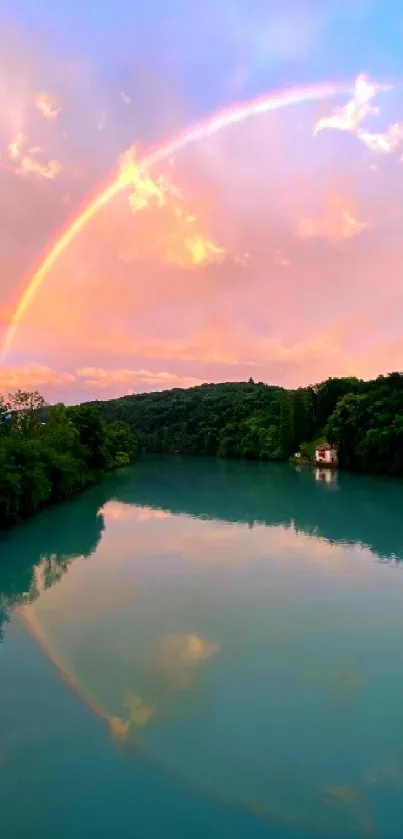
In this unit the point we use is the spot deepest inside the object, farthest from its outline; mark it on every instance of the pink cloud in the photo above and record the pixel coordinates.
(23, 159)
(48, 105)
(337, 222)
(297, 295)
(114, 381)
(32, 376)
(103, 378)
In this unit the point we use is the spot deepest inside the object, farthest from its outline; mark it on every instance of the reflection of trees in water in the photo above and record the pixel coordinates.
(45, 547)
(365, 511)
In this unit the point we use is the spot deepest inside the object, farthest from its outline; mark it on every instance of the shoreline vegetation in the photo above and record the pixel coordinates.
(362, 419)
(50, 453)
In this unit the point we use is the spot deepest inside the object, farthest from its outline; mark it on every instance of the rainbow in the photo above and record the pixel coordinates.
(200, 131)
(120, 731)
(31, 623)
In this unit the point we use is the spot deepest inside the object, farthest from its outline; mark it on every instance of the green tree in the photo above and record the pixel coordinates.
(120, 443)
(368, 427)
(25, 406)
(88, 423)
(5, 417)
(51, 452)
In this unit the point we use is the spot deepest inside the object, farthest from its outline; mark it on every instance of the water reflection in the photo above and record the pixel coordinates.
(49, 542)
(329, 477)
(366, 511)
(260, 663)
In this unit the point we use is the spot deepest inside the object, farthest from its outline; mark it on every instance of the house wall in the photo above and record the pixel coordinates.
(328, 456)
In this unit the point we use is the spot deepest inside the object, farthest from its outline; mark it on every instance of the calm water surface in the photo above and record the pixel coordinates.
(202, 648)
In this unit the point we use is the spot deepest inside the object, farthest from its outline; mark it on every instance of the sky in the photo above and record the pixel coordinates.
(268, 247)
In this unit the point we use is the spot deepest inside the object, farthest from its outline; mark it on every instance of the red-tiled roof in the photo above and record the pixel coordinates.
(324, 447)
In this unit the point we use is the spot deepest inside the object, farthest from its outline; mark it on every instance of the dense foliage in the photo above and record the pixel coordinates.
(368, 426)
(49, 453)
(245, 419)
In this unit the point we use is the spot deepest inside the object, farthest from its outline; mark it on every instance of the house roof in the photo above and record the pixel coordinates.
(324, 447)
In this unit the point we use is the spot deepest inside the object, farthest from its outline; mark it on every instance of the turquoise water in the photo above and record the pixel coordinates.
(205, 648)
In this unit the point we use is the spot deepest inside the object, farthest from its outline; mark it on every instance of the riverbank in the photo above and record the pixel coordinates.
(257, 421)
(49, 454)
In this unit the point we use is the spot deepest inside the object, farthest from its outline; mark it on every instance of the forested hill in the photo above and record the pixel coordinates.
(255, 420)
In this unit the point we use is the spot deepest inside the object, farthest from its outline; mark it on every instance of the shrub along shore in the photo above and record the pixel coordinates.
(47, 454)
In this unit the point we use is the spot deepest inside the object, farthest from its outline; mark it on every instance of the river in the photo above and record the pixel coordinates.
(203, 647)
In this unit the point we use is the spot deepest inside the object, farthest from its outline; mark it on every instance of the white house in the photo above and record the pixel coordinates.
(326, 454)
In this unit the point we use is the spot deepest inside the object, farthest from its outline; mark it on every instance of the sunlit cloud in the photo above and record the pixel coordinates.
(228, 352)
(201, 250)
(48, 105)
(384, 143)
(103, 378)
(180, 242)
(32, 376)
(15, 147)
(145, 190)
(210, 266)
(40, 376)
(350, 116)
(27, 148)
(336, 224)
(24, 159)
(193, 250)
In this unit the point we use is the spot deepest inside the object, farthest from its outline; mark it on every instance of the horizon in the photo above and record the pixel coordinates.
(167, 390)
(264, 241)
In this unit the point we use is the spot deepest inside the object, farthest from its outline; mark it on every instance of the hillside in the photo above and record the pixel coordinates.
(259, 421)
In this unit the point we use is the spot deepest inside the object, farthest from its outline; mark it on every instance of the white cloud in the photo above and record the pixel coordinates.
(384, 143)
(349, 118)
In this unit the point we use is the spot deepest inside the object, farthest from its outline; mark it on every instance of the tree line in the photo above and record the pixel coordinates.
(364, 419)
(49, 453)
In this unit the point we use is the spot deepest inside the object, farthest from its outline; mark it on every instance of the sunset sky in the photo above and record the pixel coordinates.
(271, 248)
